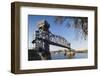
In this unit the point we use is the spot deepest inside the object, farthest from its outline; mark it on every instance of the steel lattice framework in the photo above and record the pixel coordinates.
(44, 38)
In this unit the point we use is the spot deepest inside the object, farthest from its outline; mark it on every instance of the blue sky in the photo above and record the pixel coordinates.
(57, 29)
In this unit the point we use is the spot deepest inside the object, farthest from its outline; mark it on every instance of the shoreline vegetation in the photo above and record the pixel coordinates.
(81, 51)
(33, 55)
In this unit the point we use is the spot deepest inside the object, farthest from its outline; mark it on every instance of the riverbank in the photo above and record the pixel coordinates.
(33, 55)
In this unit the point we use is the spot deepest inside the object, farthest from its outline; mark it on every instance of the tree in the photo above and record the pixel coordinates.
(80, 24)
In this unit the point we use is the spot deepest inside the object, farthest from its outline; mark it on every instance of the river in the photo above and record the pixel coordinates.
(60, 55)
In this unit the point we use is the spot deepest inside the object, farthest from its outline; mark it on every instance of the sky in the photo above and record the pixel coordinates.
(58, 29)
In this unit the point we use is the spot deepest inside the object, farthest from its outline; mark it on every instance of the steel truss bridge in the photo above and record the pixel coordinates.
(44, 38)
(51, 39)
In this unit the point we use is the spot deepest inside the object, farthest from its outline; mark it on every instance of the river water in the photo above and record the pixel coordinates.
(60, 55)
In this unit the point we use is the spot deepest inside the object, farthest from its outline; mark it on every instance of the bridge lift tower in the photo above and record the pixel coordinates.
(42, 37)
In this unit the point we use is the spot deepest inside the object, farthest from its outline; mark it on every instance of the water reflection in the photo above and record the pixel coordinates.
(62, 55)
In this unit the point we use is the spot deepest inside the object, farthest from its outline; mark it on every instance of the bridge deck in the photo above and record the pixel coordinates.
(52, 43)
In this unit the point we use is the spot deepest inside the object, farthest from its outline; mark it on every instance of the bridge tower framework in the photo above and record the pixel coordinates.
(42, 37)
